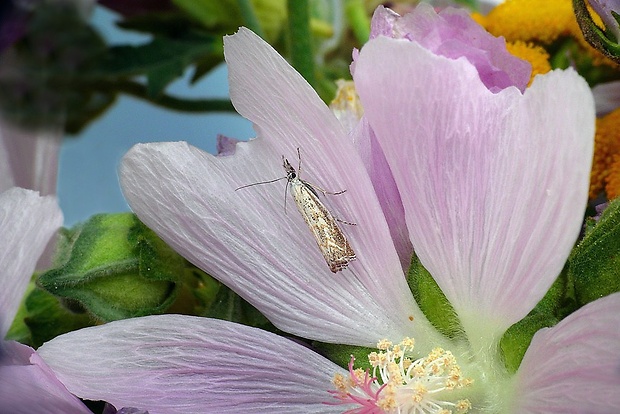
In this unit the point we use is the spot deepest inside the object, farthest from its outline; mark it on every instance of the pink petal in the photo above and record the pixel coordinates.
(496, 184)
(184, 364)
(574, 367)
(32, 388)
(607, 97)
(27, 222)
(454, 34)
(248, 240)
(385, 187)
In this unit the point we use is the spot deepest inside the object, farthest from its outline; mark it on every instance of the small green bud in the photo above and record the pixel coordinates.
(116, 268)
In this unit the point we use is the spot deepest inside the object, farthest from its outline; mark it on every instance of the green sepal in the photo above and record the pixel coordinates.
(18, 331)
(594, 264)
(196, 294)
(116, 268)
(341, 354)
(229, 306)
(432, 300)
(556, 304)
(48, 317)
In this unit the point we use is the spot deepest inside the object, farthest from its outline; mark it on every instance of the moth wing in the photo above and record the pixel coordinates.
(329, 237)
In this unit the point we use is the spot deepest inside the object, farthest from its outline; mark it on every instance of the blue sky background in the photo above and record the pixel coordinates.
(88, 180)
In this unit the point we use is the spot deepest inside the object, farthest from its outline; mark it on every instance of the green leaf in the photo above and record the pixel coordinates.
(594, 264)
(116, 268)
(160, 24)
(162, 60)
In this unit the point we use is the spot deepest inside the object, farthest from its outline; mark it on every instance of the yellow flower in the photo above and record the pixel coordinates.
(541, 22)
(606, 164)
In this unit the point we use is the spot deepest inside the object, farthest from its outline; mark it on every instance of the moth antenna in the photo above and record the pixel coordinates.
(260, 183)
(298, 163)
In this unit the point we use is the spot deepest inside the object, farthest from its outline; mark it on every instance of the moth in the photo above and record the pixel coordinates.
(329, 237)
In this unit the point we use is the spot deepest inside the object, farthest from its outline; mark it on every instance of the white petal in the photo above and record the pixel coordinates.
(27, 222)
(184, 364)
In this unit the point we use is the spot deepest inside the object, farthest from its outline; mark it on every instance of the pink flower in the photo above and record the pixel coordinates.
(493, 183)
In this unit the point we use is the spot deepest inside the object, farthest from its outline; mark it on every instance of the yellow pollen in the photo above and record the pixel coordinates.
(340, 383)
(384, 344)
(359, 375)
(605, 164)
(408, 342)
(346, 102)
(463, 406)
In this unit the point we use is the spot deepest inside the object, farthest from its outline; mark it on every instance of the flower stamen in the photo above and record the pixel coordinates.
(401, 385)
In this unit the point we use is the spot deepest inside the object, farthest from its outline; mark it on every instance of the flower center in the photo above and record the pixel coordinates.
(401, 385)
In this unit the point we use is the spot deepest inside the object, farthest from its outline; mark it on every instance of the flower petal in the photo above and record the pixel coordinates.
(385, 187)
(265, 255)
(31, 387)
(252, 239)
(453, 33)
(29, 159)
(574, 367)
(175, 363)
(27, 222)
(497, 183)
(606, 97)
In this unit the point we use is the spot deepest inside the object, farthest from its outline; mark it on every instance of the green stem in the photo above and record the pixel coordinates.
(300, 39)
(358, 19)
(249, 17)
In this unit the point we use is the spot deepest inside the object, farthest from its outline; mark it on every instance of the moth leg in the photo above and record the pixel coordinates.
(345, 222)
(325, 192)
